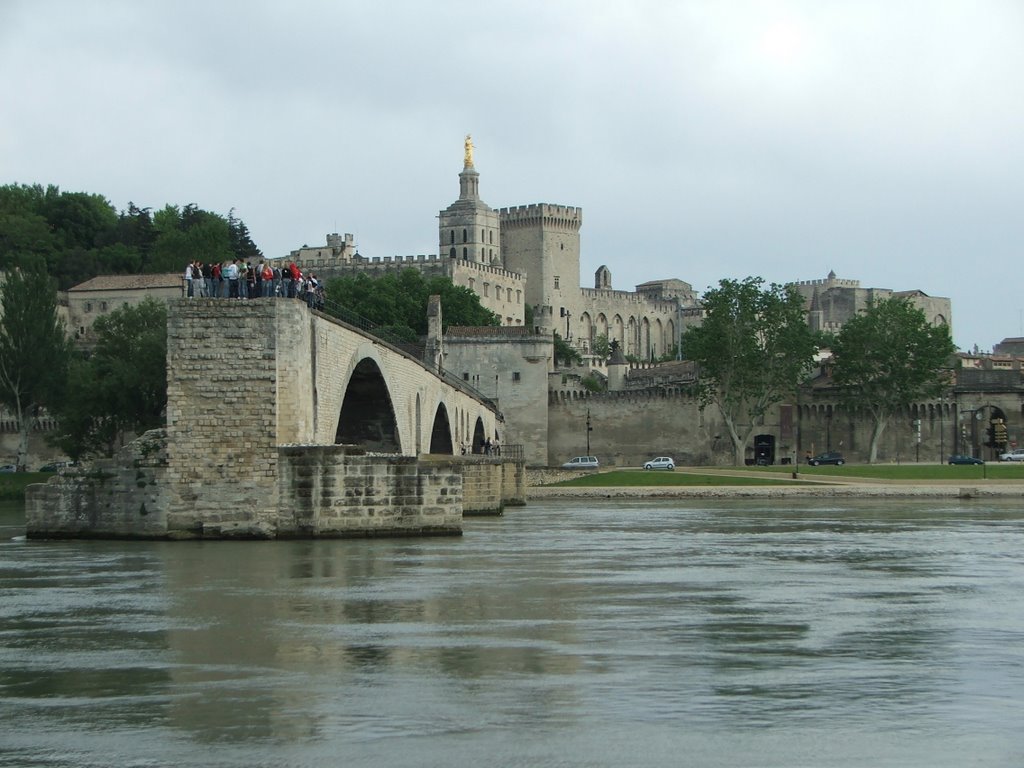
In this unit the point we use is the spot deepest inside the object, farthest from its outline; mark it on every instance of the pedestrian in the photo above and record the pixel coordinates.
(188, 280)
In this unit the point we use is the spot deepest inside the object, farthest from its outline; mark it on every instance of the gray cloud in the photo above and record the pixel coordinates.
(703, 140)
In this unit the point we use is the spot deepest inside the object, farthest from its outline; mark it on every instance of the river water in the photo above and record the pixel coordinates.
(652, 633)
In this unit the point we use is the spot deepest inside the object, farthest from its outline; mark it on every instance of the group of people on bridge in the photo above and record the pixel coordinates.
(238, 279)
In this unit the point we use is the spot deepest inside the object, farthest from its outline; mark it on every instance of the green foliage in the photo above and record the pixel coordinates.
(186, 235)
(565, 353)
(888, 358)
(34, 350)
(593, 383)
(602, 348)
(120, 389)
(399, 300)
(753, 348)
(13, 484)
(77, 235)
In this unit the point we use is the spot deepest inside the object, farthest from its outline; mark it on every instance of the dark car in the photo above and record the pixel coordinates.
(959, 458)
(830, 457)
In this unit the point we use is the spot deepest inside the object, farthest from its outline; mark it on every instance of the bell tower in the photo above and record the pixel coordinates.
(468, 229)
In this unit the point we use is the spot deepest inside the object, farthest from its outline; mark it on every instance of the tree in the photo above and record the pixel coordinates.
(34, 350)
(400, 299)
(565, 353)
(602, 348)
(888, 358)
(120, 389)
(753, 349)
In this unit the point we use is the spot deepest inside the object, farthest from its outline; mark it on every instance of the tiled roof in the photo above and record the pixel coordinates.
(490, 331)
(129, 282)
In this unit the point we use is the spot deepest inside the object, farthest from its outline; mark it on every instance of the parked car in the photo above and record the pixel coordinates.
(959, 458)
(9, 468)
(1017, 454)
(829, 457)
(662, 462)
(581, 462)
(55, 466)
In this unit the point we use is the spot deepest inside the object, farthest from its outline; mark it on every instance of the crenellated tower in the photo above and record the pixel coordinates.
(543, 242)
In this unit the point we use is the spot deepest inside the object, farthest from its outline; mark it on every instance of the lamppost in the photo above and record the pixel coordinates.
(942, 432)
(828, 429)
(917, 444)
(589, 430)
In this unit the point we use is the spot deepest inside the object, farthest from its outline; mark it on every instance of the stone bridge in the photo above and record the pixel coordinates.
(328, 383)
(284, 422)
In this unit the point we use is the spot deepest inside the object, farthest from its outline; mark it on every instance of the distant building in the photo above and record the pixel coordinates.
(833, 301)
(528, 256)
(102, 295)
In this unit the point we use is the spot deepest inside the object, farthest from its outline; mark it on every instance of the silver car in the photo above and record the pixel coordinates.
(662, 462)
(1017, 454)
(581, 462)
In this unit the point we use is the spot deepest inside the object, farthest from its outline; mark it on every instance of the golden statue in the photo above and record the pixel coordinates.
(469, 151)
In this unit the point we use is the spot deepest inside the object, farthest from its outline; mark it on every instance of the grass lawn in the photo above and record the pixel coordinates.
(637, 477)
(12, 484)
(1000, 471)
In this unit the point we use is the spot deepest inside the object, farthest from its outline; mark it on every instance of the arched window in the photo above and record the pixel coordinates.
(453, 253)
(452, 233)
(465, 253)
(465, 236)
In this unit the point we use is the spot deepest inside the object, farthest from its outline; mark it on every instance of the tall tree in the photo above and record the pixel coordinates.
(34, 350)
(241, 242)
(120, 389)
(888, 358)
(753, 348)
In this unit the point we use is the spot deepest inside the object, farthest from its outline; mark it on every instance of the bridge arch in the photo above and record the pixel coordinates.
(367, 414)
(479, 436)
(441, 432)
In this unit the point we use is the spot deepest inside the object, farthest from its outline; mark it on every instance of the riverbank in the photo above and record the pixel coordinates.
(540, 486)
(851, 490)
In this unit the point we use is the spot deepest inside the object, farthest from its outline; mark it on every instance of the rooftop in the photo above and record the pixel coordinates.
(129, 282)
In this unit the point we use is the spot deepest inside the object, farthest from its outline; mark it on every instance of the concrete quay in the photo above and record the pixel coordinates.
(803, 487)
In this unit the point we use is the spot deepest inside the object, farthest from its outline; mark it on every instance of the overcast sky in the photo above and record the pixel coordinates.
(703, 140)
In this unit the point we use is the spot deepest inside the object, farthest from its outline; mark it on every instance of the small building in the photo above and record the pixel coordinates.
(102, 295)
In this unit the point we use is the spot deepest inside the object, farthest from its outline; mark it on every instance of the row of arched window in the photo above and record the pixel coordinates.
(642, 337)
(486, 236)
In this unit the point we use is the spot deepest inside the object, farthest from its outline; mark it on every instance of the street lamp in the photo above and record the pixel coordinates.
(942, 435)
(589, 430)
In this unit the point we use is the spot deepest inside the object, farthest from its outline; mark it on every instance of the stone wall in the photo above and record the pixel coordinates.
(112, 498)
(631, 427)
(339, 490)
